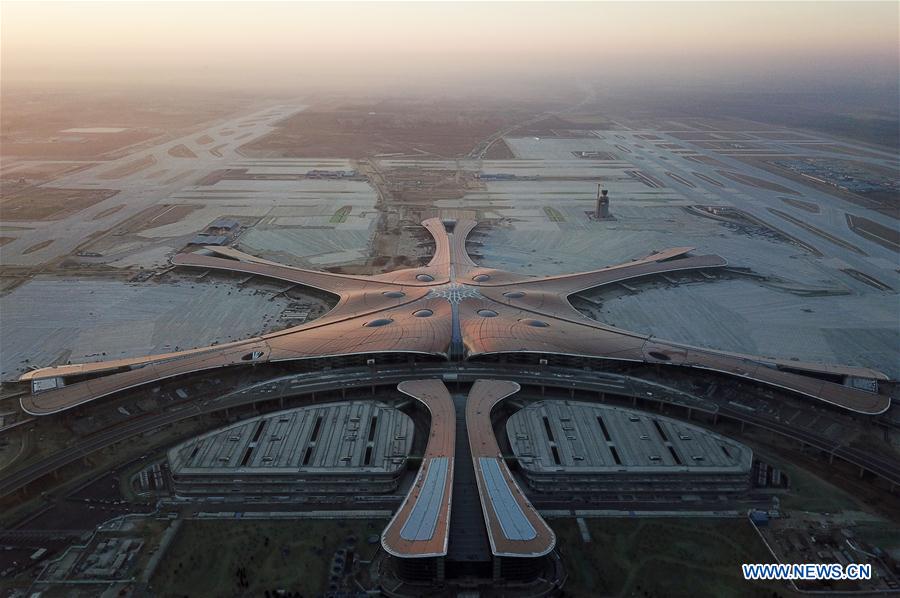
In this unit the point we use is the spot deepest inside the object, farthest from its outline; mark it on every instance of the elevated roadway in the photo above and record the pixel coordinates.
(552, 377)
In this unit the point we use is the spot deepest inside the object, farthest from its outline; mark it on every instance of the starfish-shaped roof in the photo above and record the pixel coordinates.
(454, 308)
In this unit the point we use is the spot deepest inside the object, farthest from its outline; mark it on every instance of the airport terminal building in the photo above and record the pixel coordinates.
(570, 447)
(358, 447)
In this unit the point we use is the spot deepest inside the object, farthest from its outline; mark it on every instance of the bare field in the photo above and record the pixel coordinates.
(182, 151)
(806, 206)
(159, 215)
(292, 554)
(874, 231)
(178, 177)
(41, 172)
(427, 186)
(550, 126)
(71, 146)
(108, 212)
(499, 150)
(128, 168)
(701, 136)
(381, 129)
(752, 181)
(39, 246)
(48, 203)
(58, 126)
(701, 159)
(588, 120)
(841, 149)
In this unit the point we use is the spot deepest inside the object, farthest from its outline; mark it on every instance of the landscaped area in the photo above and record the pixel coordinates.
(253, 558)
(662, 558)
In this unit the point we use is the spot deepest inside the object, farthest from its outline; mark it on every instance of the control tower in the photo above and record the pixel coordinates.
(602, 210)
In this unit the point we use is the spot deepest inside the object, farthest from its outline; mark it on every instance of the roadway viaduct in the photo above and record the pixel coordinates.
(558, 379)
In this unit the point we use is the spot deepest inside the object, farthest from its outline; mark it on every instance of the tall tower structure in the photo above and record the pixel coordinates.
(602, 211)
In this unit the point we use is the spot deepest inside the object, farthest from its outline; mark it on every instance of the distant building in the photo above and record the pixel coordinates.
(331, 174)
(204, 239)
(225, 224)
(568, 447)
(759, 518)
(336, 448)
(501, 176)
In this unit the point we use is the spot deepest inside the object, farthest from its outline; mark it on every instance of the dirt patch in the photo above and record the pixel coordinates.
(5, 240)
(410, 185)
(178, 177)
(205, 140)
(708, 179)
(807, 206)
(587, 120)
(680, 179)
(108, 212)
(71, 146)
(398, 128)
(38, 246)
(703, 159)
(649, 180)
(867, 279)
(157, 173)
(745, 223)
(34, 120)
(499, 150)
(43, 172)
(752, 181)
(724, 147)
(842, 149)
(875, 231)
(129, 168)
(550, 126)
(817, 231)
(213, 177)
(710, 136)
(48, 203)
(181, 151)
(160, 215)
(781, 135)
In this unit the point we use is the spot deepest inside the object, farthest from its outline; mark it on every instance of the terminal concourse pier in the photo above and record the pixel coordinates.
(440, 535)
(455, 310)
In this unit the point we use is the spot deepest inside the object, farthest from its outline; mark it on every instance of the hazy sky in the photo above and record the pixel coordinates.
(313, 45)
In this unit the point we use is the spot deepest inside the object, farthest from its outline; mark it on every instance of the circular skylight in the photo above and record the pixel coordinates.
(535, 323)
(379, 322)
